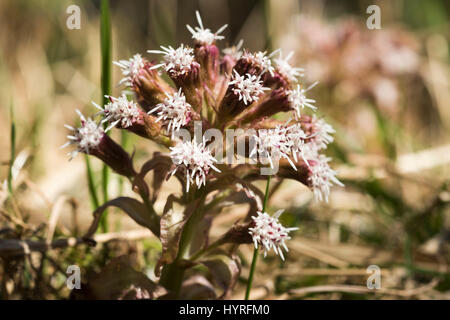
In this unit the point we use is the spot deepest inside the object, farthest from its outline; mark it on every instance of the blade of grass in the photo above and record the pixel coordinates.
(105, 38)
(12, 155)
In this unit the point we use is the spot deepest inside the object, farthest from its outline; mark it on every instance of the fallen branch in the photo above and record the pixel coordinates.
(14, 247)
(364, 290)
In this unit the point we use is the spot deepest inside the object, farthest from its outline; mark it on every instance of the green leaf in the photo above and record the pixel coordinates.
(135, 210)
(161, 165)
(119, 281)
(200, 237)
(224, 270)
(197, 288)
(172, 224)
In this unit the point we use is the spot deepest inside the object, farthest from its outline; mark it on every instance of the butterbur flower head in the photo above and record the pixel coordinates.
(195, 159)
(234, 52)
(204, 36)
(299, 101)
(274, 144)
(130, 68)
(286, 70)
(120, 112)
(256, 63)
(174, 112)
(145, 81)
(231, 56)
(248, 87)
(297, 138)
(178, 61)
(322, 132)
(86, 138)
(322, 177)
(268, 233)
(90, 138)
(262, 59)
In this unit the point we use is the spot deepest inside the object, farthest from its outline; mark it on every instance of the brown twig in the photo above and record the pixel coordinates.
(14, 247)
(364, 290)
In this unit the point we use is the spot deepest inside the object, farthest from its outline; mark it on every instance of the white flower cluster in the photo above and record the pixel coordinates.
(322, 177)
(234, 51)
(286, 70)
(86, 138)
(196, 159)
(205, 36)
(130, 68)
(273, 144)
(178, 61)
(119, 111)
(174, 111)
(323, 133)
(299, 101)
(262, 59)
(285, 141)
(248, 87)
(268, 233)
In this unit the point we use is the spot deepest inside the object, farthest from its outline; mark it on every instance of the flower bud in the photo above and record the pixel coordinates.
(114, 156)
(143, 80)
(175, 112)
(318, 131)
(209, 58)
(124, 114)
(182, 68)
(90, 138)
(230, 58)
(254, 64)
(242, 92)
(277, 101)
(150, 88)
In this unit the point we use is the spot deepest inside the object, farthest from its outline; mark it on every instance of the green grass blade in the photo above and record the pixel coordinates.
(12, 155)
(105, 38)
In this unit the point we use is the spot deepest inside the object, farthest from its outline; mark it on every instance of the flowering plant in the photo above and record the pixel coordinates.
(213, 94)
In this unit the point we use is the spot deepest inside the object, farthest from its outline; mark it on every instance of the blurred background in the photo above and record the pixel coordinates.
(385, 91)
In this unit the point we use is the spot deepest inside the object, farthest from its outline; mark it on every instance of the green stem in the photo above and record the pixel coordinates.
(209, 248)
(255, 252)
(91, 185)
(105, 38)
(252, 273)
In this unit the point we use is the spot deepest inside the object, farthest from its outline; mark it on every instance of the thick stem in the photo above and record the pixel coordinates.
(255, 252)
(172, 276)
